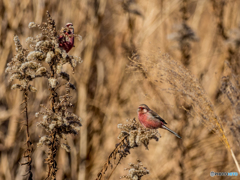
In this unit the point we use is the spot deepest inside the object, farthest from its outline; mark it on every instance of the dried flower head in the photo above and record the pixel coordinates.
(137, 134)
(66, 147)
(52, 82)
(23, 66)
(136, 171)
(32, 25)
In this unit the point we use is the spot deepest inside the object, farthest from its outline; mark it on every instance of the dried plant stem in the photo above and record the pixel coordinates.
(235, 160)
(26, 111)
(28, 152)
(52, 164)
(113, 170)
(132, 135)
(111, 156)
(53, 93)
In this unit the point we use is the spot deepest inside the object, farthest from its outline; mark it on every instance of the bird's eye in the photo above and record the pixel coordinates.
(69, 32)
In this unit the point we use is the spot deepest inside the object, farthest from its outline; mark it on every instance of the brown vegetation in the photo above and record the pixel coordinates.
(180, 57)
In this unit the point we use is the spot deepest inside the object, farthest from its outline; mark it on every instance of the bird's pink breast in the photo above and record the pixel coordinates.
(148, 122)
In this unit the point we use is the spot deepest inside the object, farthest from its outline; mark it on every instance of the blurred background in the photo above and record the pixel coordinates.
(201, 35)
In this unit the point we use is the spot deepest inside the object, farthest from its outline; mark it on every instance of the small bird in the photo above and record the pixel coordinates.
(149, 119)
(67, 44)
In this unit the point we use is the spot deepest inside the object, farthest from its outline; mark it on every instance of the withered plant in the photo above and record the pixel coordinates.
(136, 171)
(25, 70)
(46, 60)
(230, 87)
(233, 50)
(132, 135)
(177, 80)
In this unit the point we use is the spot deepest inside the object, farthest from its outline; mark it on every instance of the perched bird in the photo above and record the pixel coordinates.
(149, 119)
(67, 44)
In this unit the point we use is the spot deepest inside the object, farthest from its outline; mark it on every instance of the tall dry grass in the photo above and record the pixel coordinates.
(110, 86)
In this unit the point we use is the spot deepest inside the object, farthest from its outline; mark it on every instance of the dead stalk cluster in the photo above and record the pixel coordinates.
(46, 60)
(132, 135)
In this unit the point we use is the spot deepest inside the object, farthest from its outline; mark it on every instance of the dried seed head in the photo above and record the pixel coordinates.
(66, 147)
(49, 57)
(16, 39)
(52, 82)
(58, 51)
(8, 69)
(137, 134)
(64, 54)
(31, 65)
(16, 86)
(52, 125)
(39, 36)
(37, 114)
(15, 76)
(29, 40)
(31, 88)
(119, 126)
(41, 71)
(24, 84)
(32, 25)
(59, 68)
(44, 140)
(35, 55)
(136, 171)
(45, 117)
(74, 62)
(132, 138)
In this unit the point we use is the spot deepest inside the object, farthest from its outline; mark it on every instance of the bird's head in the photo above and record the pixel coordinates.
(70, 28)
(143, 109)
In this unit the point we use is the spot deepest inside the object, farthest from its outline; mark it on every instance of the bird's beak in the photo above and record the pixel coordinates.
(139, 109)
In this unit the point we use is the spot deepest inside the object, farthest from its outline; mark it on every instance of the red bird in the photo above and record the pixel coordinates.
(67, 45)
(149, 119)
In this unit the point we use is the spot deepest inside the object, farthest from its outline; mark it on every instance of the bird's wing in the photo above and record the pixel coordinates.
(157, 116)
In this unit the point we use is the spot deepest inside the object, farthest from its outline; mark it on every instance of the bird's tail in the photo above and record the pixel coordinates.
(165, 127)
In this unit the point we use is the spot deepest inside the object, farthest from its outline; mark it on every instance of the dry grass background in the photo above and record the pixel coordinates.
(110, 86)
